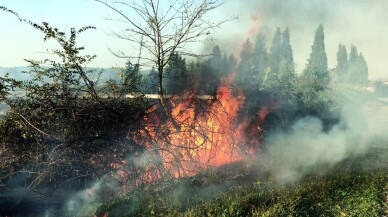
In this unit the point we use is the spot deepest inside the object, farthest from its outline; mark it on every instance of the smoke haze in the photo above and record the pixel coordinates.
(307, 145)
(295, 152)
(357, 22)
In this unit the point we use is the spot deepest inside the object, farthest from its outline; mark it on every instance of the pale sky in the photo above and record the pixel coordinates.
(19, 40)
(359, 22)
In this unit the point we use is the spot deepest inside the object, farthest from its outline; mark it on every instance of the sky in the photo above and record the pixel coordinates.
(358, 22)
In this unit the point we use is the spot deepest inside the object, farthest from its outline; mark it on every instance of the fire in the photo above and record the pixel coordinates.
(197, 136)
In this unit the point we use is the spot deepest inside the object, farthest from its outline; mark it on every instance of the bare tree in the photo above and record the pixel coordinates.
(163, 29)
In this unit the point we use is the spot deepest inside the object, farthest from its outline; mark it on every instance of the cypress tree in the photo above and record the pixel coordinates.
(287, 54)
(353, 65)
(215, 64)
(225, 65)
(261, 57)
(317, 69)
(246, 52)
(363, 70)
(286, 70)
(281, 70)
(358, 68)
(342, 63)
(245, 67)
(175, 80)
(276, 53)
(353, 55)
(216, 57)
(232, 62)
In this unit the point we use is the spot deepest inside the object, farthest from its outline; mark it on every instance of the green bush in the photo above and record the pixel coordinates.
(62, 124)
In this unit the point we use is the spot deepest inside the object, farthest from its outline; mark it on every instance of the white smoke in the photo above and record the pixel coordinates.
(348, 22)
(91, 197)
(307, 145)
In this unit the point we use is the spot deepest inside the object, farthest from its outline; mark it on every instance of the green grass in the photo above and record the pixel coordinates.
(341, 195)
(240, 190)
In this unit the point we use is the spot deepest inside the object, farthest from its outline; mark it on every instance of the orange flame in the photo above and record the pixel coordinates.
(198, 134)
(207, 136)
(196, 137)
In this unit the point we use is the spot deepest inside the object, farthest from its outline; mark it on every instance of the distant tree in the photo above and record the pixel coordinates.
(287, 75)
(215, 66)
(363, 70)
(201, 77)
(281, 73)
(215, 60)
(225, 65)
(129, 80)
(275, 57)
(2, 90)
(358, 68)
(282, 84)
(232, 62)
(246, 52)
(246, 74)
(353, 55)
(148, 83)
(317, 70)
(175, 76)
(260, 57)
(286, 53)
(353, 64)
(342, 64)
(312, 87)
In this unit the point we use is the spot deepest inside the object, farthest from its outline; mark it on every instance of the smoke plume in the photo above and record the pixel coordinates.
(308, 146)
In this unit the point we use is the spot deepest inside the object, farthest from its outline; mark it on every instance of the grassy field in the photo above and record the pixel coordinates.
(355, 187)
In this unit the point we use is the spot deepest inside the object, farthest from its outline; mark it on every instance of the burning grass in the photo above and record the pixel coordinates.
(196, 135)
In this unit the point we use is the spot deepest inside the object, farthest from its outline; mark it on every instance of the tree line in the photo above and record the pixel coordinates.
(261, 68)
(268, 74)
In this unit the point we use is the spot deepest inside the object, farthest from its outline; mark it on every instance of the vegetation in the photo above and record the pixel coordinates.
(352, 69)
(64, 125)
(61, 122)
(348, 189)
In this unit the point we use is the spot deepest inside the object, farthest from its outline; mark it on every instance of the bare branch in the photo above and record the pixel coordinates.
(165, 29)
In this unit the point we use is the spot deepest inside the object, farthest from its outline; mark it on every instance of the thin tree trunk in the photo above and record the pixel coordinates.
(166, 109)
